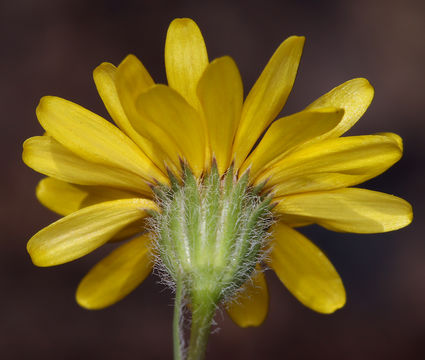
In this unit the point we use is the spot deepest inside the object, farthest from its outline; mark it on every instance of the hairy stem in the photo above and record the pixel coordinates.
(178, 341)
(202, 317)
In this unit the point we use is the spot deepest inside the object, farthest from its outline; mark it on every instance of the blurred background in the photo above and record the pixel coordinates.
(51, 48)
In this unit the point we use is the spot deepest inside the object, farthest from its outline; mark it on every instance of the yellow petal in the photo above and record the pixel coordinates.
(295, 221)
(348, 210)
(164, 107)
(136, 228)
(305, 270)
(354, 96)
(116, 275)
(65, 198)
(287, 133)
(105, 77)
(268, 96)
(47, 156)
(333, 163)
(250, 306)
(132, 80)
(85, 230)
(93, 138)
(220, 92)
(60, 196)
(185, 58)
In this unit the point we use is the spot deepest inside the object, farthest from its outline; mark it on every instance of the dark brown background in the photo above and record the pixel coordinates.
(51, 47)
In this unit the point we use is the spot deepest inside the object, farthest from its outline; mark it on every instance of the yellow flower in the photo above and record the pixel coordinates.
(100, 177)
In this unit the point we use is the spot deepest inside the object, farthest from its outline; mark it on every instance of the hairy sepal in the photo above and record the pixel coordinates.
(210, 233)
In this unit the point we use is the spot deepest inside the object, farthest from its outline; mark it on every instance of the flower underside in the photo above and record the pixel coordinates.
(211, 232)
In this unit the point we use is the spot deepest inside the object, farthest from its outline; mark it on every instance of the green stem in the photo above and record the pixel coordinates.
(177, 319)
(202, 317)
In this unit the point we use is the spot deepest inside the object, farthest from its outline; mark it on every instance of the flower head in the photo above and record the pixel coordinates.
(188, 156)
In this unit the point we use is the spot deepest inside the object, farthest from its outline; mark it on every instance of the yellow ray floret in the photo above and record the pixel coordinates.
(85, 230)
(92, 137)
(47, 156)
(116, 275)
(185, 58)
(306, 271)
(332, 164)
(288, 133)
(65, 198)
(268, 96)
(220, 92)
(251, 304)
(349, 210)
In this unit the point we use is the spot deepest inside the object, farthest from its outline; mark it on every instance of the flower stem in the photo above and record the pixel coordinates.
(178, 342)
(202, 316)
